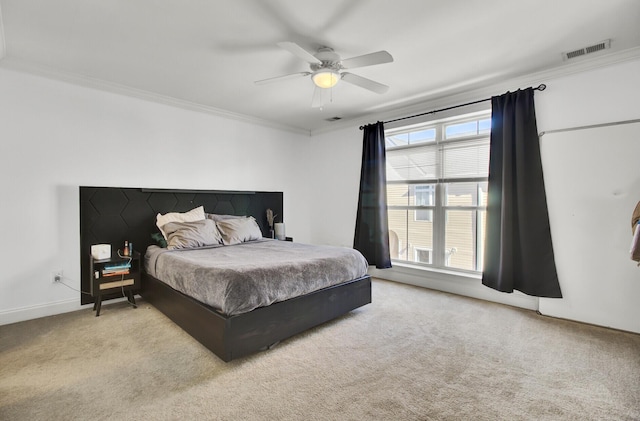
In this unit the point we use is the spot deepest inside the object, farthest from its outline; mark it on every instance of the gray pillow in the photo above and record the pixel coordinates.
(181, 235)
(239, 230)
(216, 217)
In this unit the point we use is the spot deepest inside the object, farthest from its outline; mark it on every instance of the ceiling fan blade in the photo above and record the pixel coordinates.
(365, 83)
(367, 60)
(298, 51)
(281, 78)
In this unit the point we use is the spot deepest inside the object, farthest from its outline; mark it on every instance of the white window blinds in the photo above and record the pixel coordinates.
(443, 161)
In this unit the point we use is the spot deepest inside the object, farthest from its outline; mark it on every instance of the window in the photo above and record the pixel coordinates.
(424, 196)
(422, 255)
(437, 190)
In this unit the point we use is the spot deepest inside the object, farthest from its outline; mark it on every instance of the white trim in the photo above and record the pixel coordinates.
(455, 283)
(11, 63)
(40, 310)
(22, 314)
(443, 97)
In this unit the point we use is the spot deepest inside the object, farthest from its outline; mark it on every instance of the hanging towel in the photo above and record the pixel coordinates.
(635, 242)
(635, 247)
(635, 217)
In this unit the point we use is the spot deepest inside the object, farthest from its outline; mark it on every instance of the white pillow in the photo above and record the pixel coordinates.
(196, 214)
(239, 230)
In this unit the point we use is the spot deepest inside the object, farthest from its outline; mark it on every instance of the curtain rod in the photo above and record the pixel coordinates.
(540, 87)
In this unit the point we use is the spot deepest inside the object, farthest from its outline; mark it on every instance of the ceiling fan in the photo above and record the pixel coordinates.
(327, 69)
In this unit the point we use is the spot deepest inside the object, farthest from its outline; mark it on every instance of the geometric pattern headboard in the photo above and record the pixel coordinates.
(111, 215)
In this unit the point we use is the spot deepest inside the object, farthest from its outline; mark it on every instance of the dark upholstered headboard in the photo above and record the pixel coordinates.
(111, 215)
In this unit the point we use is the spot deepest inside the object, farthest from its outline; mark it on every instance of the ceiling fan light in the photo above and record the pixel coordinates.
(325, 78)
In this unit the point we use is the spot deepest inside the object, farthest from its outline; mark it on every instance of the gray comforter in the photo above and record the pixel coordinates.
(240, 278)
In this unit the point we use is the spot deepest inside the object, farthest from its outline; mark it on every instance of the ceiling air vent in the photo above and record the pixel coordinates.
(334, 119)
(602, 45)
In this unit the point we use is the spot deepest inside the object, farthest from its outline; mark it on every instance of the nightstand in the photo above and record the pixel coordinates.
(285, 238)
(113, 276)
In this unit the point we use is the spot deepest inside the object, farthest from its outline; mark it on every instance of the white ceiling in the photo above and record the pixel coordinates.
(208, 53)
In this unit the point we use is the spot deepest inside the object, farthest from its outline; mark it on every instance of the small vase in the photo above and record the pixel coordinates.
(279, 228)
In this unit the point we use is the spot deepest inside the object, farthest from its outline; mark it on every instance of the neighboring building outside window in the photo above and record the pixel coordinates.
(437, 190)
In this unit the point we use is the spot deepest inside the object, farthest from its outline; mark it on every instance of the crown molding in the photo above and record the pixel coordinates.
(440, 98)
(18, 65)
(454, 95)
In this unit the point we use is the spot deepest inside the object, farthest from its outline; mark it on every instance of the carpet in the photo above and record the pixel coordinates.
(412, 354)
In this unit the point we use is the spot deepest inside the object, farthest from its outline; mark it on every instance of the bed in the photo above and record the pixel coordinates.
(228, 330)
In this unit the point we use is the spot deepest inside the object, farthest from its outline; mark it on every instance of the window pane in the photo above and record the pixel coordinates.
(420, 241)
(423, 215)
(469, 128)
(412, 164)
(482, 221)
(397, 140)
(484, 126)
(398, 234)
(465, 194)
(397, 194)
(409, 240)
(460, 239)
(465, 159)
(428, 135)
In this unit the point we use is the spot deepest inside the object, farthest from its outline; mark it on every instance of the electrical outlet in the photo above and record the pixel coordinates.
(57, 275)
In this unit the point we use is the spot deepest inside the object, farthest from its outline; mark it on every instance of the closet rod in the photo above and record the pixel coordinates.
(540, 87)
(593, 126)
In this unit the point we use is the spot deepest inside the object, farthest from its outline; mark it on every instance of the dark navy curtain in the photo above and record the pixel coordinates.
(372, 225)
(518, 251)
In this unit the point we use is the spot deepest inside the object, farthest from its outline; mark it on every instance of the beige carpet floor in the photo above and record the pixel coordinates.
(413, 354)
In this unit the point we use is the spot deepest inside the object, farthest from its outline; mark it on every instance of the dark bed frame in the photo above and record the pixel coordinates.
(112, 215)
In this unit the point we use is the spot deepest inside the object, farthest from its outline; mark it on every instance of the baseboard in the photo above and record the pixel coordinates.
(42, 310)
(633, 332)
(22, 314)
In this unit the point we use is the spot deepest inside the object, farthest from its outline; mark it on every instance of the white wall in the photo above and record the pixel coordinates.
(592, 179)
(335, 183)
(593, 185)
(55, 136)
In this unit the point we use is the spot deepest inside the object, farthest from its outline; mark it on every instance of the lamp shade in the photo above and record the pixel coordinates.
(325, 78)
